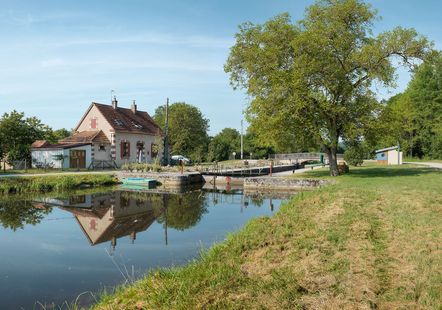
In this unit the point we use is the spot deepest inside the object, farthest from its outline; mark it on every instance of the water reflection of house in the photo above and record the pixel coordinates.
(107, 217)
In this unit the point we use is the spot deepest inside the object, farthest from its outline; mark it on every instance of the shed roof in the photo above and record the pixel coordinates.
(97, 136)
(58, 146)
(40, 143)
(387, 149)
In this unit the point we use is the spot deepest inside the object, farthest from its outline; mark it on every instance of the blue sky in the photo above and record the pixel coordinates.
(58, 56)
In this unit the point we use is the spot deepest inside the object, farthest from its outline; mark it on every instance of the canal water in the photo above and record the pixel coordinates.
(56, 248)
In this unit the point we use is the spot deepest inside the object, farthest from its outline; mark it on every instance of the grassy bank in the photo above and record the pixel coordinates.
(42, 184)
(372, 240)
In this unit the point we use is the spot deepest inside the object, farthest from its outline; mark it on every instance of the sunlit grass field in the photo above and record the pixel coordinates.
(371, 240)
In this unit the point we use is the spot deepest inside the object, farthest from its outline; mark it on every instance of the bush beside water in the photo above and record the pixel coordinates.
(18, 185)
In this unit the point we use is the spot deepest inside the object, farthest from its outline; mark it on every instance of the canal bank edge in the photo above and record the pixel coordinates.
(174, 180)
(284, 184)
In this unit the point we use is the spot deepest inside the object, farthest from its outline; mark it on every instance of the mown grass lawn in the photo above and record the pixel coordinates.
(372, 240)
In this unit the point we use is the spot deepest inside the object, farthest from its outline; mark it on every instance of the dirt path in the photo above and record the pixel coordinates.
(428, 164)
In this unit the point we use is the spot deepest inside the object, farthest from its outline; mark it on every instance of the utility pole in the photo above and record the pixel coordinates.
(166, 135)
(242, 142)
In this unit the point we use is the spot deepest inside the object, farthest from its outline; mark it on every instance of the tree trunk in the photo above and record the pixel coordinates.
(333, 161)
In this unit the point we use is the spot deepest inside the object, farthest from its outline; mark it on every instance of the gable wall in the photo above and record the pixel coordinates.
(102, 124)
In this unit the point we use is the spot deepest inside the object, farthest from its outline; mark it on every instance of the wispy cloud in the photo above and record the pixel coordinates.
(152, 38)
(25, 18)
(116, 64)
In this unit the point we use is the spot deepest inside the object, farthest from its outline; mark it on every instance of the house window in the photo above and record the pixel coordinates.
(93, 123)
(119, 122)
(125, 149)
(102, 148)
(138, 126)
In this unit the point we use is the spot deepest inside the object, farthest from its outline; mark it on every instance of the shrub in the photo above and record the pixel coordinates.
(141, 167)
(354, 155)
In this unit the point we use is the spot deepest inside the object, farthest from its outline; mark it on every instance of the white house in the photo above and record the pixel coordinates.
(106, 135)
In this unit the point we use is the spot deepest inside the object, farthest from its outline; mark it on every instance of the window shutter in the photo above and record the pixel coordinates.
(121, 149)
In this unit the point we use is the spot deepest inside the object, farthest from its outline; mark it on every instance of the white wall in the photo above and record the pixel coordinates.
(102, 155)
(133, 139)
(46, 157)
(393, 157)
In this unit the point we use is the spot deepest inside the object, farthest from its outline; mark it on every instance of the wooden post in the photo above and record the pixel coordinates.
(271, 167)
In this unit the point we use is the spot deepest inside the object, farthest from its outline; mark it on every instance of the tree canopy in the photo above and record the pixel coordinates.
(311, 81)
(223, 144)
(187, 129)
(17, 133)
(414, 118)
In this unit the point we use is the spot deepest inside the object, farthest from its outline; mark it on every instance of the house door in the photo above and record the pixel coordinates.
(77, 159)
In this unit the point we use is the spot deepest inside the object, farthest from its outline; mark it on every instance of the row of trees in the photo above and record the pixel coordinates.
(18, 132)
(188, 135)
(414, 117)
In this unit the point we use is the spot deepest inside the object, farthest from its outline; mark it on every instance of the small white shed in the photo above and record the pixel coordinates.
(389, 156)
(61, 155)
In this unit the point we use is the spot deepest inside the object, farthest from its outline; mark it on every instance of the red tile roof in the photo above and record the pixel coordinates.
(122, 119)
(59, 146)
(40, 143)
(96, 136)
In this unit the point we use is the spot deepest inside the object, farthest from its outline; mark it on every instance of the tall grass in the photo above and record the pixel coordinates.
(43, 184)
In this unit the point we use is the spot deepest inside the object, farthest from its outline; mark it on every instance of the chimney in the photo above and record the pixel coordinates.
(114, 103)
(133, 107)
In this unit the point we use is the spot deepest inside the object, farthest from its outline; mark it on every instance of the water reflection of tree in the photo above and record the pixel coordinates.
(257, 201)
(179, 211)
(183, 211)
(15, 214)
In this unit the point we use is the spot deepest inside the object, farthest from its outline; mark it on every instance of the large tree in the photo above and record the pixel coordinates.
(187, 129)
(17, 133)
(310, 82)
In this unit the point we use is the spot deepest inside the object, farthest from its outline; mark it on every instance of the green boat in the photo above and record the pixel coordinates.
(144, 182)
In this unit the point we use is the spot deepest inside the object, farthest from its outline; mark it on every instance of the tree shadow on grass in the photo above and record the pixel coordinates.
(387, 172)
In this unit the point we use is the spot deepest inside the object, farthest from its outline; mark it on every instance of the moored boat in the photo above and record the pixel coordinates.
(145, 182)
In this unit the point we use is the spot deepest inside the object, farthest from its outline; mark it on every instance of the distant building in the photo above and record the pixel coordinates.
(389, 156)
(106, 135)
